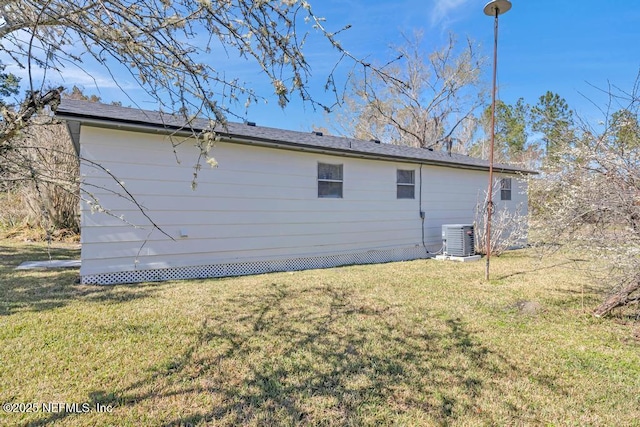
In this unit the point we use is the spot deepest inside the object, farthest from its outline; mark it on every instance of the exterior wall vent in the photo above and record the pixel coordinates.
(458, 240)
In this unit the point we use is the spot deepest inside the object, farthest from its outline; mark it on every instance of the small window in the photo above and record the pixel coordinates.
(406, 184)
(505, 189)
(329, 181)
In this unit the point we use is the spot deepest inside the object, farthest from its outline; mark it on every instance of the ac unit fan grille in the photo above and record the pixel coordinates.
(458, 240)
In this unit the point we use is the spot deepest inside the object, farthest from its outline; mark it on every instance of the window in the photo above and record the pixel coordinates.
(505, 189)
(329, 181)
(406, 184)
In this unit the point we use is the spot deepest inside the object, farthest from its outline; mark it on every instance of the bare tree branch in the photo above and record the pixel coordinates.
(418, 101)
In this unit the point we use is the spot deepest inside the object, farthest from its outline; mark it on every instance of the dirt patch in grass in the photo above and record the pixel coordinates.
(527, 308)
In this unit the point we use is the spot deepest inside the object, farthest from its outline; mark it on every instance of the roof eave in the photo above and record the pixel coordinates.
(137, 126)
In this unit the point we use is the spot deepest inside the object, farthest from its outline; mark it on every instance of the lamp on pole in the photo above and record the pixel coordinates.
(493, 8)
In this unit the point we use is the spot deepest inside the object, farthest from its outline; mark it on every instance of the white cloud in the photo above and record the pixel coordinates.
(93, 78)
(88, 74)
(443, 12)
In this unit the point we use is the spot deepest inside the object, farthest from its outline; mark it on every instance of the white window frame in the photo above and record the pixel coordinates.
(411, 184)
(327, 180)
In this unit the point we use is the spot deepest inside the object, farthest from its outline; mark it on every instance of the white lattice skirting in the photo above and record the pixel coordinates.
(255, 267)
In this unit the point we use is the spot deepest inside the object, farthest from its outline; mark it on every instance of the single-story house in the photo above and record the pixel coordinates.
(278, 200)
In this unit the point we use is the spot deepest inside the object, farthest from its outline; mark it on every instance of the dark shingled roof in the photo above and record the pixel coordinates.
(121, 117)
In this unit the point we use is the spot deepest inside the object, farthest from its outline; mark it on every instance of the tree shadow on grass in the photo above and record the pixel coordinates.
(318, 355)
(12, 255)
(46, 289)
(536, 269)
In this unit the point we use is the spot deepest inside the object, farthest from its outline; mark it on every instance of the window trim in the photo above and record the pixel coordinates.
(321, 180)
(411, 184)
(506, 188)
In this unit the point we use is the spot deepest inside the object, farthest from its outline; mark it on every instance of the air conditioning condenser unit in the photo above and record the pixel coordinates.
(458, 240)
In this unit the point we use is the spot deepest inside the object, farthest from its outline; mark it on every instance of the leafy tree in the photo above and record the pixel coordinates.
(9, 85)
(553, 118)
(422, 100)
(625, 130)
(511, 130)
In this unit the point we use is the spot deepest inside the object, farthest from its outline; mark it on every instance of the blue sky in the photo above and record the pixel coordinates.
(561, 46)
(566, 47)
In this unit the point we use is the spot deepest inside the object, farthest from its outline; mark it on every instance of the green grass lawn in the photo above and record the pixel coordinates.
(411, 343)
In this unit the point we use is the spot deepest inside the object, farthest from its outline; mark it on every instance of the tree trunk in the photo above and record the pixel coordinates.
(619, 299)
(14, 122)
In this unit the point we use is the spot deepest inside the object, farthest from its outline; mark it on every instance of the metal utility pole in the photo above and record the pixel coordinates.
(493, 8)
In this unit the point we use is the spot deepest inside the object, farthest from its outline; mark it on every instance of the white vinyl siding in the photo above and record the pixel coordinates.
(450, 196)
(258, 204)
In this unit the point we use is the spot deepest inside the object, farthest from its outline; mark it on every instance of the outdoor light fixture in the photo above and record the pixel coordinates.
(497, 7)
(493, 8)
